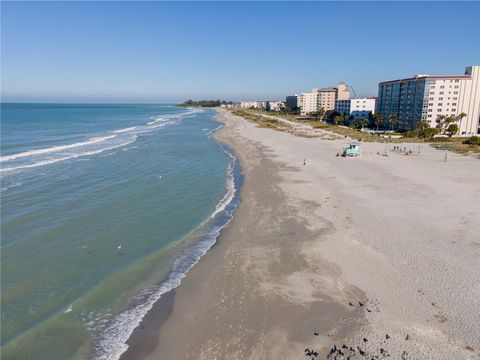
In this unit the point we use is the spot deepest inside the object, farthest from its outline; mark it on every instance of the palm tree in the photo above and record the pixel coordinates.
(460, 118)
(363, 122)
(337, 119)
(321, 113)
(392, 119)
(440, 120)
(447, 121)
(452, 129)
(377, 119)
(423, 124)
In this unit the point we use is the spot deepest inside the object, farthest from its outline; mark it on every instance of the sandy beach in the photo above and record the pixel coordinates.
(375, 257)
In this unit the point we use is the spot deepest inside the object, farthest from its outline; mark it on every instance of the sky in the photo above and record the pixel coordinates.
(172, 51)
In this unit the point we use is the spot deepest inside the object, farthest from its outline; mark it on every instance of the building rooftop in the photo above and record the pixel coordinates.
(422, 76)
(324, 89)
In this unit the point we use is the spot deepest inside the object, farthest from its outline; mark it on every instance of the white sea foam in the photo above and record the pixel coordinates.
(72, 156)
(92, 146)
(124, 130)
(90, 141)
(112, 342)
(214, 130)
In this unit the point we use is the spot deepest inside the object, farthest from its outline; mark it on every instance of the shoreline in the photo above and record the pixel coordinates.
(307, 242)
(141, 341)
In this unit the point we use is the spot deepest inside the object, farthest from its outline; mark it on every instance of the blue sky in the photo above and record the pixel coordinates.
(161, 52)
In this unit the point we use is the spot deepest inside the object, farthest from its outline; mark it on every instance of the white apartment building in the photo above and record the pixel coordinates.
(275, 105)
(359, 108)
(451, 96)
(426, 97)
(253, 104)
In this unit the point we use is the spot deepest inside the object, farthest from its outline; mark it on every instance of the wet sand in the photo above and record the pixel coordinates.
(328, 253)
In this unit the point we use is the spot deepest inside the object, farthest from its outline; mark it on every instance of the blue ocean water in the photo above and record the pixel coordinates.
(104, 209)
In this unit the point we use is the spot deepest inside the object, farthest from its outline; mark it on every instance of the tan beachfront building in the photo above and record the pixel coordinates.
(317, 99)
(322, 98)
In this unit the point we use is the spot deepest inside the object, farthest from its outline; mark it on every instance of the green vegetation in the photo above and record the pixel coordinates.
(458, 147)
(320, 114)
(424, 134)
(392, 119)
(472, 140)
(204, 103)
(447, 124)
(260, 120)
(377, 119)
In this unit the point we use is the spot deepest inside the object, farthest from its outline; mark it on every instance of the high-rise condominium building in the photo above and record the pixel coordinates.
(317, 99)
(342, 91)
(426, 97)
(291, 102)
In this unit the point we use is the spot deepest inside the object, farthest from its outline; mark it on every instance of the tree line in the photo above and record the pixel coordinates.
(446, 125)
(205, 103)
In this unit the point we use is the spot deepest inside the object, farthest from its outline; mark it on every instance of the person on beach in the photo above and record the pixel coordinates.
(304, 162)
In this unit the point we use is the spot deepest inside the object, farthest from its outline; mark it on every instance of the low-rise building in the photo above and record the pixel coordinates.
(359, 108)
(275, 105)
(258, 104)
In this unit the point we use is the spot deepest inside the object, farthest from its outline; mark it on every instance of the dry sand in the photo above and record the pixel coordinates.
(399, 234)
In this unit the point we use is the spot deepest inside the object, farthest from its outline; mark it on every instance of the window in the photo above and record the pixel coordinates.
(441, 92)
(430, 110)
(442, 87)
(430, 104)
(431, 98)
(455, 92)
(457, 80)
(454, 104)
(432, 92)
(439, 104)
(429, 115)
(440, 98)
(456, 86)
(432, 87)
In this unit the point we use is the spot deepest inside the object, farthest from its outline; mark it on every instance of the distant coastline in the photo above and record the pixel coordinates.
(204, 103)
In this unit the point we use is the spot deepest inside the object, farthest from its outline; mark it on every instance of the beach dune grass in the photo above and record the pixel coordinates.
(458, 145)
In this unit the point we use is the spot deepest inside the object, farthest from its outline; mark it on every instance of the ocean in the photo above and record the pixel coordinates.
(104, 208)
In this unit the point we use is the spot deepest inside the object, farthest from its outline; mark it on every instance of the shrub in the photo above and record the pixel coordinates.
(472, 140)
(429, 133)
(411, 134)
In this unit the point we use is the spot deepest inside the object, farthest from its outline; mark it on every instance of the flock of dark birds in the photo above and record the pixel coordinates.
(345, 352)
